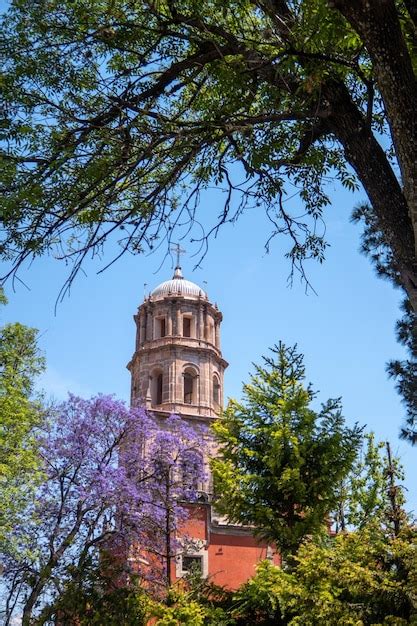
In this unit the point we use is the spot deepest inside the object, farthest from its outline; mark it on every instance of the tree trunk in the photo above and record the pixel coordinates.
(377, 23)
(46, 571)
(168, 531)
(34, 595)
(396, 513)
(370, 163)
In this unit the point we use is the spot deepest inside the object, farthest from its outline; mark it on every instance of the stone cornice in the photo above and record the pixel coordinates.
(197, 302)
(177, 341)
(177, 409)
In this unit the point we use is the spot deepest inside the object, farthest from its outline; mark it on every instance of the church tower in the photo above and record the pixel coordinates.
(177, 366)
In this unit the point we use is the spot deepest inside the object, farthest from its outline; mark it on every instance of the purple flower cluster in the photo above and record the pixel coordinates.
(114, 478)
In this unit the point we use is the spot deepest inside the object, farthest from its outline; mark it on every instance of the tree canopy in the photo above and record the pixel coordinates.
(280, 462)
(102, 493)
(21, 414)
(117, 113)
(348, 580)
(362, 572)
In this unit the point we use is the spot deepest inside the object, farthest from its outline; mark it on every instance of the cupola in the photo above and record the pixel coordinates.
(178, 286)
(177, 365)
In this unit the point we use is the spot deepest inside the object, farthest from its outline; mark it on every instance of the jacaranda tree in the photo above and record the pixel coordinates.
(101, 465)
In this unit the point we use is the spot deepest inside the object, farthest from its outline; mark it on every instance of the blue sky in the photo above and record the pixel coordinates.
(346, 331)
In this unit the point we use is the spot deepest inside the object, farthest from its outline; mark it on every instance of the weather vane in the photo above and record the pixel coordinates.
(178, 251)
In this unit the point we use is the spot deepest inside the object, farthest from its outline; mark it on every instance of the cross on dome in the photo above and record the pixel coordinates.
(178, 285)
(178, 251)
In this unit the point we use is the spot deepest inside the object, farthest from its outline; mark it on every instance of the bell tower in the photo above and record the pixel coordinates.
(177, 366)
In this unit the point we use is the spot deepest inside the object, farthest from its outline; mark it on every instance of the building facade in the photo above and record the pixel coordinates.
(178, 367)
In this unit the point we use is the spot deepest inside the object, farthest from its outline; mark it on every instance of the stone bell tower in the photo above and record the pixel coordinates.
(177, 366)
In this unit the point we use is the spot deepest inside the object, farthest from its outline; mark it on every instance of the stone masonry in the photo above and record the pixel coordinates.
(177, 366)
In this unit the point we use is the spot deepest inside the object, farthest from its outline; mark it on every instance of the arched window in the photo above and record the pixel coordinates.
(190, 380)
(216, 390)
(156, 388)
(188, 388)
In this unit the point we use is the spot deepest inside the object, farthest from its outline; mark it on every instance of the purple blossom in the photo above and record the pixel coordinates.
(113, 477)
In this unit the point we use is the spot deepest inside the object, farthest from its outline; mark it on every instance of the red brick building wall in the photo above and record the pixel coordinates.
(230, 553)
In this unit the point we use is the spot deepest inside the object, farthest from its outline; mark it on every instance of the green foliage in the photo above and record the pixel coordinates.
(361, 578)
(368, 493)
(182, 608)
(21, 413)
(117, 114)
(404, 371)
(96, 597)
(197, 600)
(365, 494)
(179, 609)
(122, 607)
(280, 462)
(261, 599)
(126, 107)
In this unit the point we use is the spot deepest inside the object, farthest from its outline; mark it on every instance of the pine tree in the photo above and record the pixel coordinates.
(280, 461)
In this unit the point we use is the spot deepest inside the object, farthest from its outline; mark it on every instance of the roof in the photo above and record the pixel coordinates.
(178, 286)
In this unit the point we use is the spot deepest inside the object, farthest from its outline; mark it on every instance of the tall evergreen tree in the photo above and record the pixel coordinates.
(280, 461)
(364, 576)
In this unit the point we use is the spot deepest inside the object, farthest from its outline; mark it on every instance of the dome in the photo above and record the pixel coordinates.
(178, 286)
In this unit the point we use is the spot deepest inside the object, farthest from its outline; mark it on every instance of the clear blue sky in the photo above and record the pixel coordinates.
(346, 331)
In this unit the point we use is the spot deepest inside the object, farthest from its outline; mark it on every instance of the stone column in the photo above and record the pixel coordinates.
(137, 322)
(171, 381)
(209, 387)
(206, 328)
(169, 320)
(200, 327)
(149, 325)
(145, 323)
(139, 327)
(133, 391)
(198, 381)
(217, 334)
(148, 395)
(142, 321)
(179, 330)
(204, 372)
(221, 380)
(174, 398)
